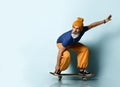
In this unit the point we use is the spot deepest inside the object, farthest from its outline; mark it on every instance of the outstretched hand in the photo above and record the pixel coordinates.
(108, 18)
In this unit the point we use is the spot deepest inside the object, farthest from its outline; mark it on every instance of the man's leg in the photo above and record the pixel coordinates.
(65, 60)
(83, 54)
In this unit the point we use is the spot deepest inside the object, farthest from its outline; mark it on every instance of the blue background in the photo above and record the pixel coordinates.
(28, 33)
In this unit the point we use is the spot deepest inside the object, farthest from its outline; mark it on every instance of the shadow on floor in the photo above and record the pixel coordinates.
(75, 83)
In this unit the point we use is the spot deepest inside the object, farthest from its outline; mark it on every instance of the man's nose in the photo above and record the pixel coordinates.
(75, 30)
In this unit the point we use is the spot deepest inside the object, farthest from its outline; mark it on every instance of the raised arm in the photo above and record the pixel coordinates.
(100, 22)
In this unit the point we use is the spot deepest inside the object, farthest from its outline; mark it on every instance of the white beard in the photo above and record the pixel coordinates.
(74, 35)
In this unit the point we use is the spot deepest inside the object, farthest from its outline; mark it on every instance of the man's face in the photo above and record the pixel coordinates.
(76, 29)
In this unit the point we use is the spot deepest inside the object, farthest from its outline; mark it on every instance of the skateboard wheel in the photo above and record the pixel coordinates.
(59, 78)
(84, 78)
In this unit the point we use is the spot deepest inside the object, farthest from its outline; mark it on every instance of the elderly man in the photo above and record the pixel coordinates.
(69, 40)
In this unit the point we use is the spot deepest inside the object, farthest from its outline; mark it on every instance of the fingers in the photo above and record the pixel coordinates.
(109, 17)
(56, 69)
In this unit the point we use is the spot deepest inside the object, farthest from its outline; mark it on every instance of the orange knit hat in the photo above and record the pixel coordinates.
(78, 22)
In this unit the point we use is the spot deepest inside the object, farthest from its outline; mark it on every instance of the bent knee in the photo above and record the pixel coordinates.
(66, 54)
(85, 48)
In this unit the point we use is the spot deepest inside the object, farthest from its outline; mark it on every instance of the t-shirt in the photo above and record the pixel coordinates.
(66, 38)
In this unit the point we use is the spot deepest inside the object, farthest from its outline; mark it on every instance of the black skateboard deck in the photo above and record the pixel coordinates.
(84, 77)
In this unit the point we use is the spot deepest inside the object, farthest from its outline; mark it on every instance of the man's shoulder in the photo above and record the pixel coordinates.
(67, 32)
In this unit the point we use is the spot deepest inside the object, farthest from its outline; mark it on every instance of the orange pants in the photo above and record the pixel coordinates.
(82, 56)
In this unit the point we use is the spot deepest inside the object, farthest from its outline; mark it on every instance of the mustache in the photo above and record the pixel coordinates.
(75, 32)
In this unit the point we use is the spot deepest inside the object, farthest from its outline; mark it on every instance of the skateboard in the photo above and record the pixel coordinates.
(84, 77)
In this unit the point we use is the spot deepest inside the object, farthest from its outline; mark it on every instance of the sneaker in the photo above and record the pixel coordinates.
(85, 73)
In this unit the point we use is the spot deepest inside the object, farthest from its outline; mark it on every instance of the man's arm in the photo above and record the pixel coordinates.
(60, 53)
(100, 22)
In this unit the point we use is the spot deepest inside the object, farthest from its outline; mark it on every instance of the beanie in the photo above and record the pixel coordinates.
(78, 22)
